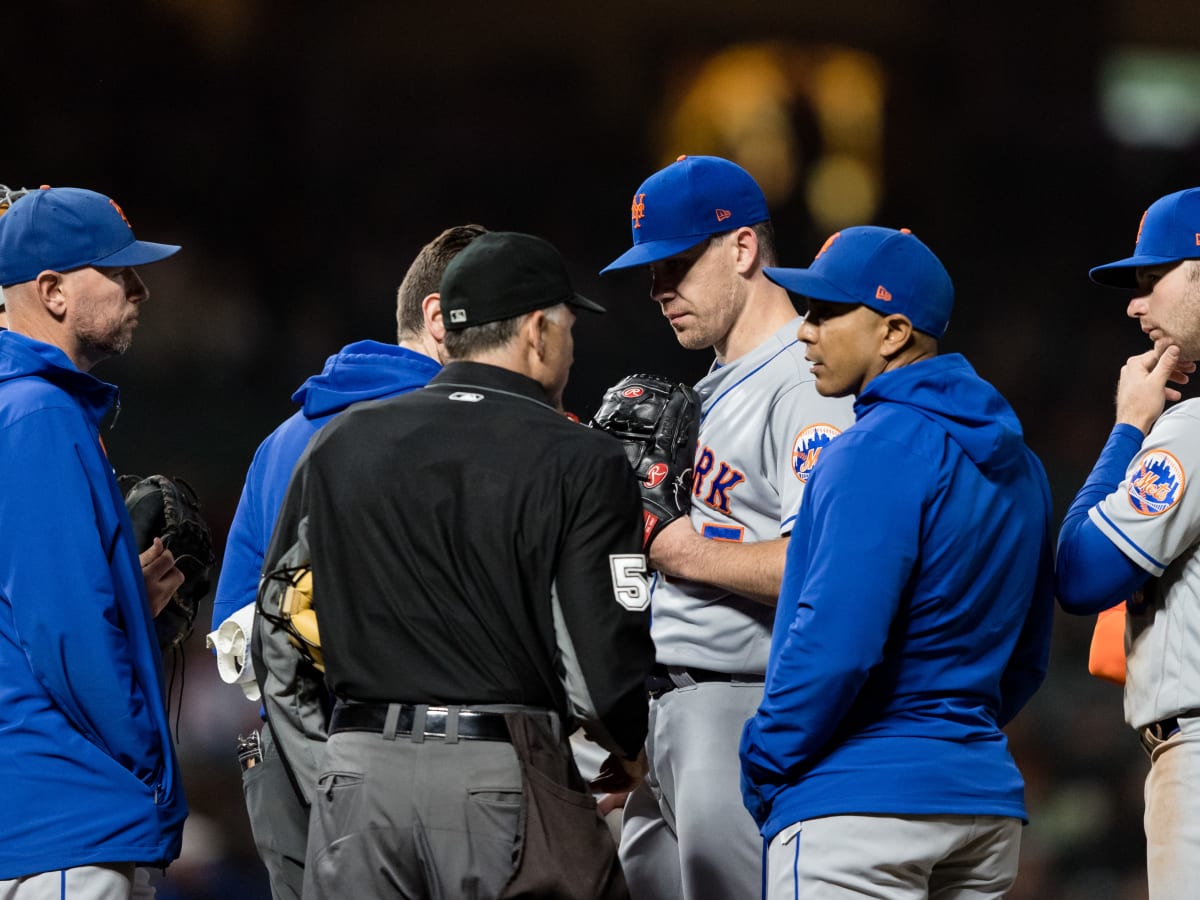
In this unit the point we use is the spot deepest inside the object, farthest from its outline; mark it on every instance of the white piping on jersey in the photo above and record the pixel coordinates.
(493, 390)
(1128, 540)
(750, 374)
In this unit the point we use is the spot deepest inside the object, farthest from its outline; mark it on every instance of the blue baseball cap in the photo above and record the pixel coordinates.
(692, 199)
(68, 228)
(1169, 232)
(888, 270)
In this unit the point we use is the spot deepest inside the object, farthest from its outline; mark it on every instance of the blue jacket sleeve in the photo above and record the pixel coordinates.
(1091, 573)
(243, 561)
(74, 621)
(837, 623)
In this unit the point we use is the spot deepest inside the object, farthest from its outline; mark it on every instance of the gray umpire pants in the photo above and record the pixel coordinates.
(895, 858)
(278, 820)
(413, 817)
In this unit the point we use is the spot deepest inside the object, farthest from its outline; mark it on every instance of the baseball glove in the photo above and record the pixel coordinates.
(168, 508)
(658, 421)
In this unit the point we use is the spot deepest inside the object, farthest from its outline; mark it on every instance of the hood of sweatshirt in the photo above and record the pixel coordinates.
(947, 390)
(363, 371)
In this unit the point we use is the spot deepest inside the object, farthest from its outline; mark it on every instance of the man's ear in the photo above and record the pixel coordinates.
(898, 335)
(431, 311)
(533, 332)
(746, 241)
(49, 289)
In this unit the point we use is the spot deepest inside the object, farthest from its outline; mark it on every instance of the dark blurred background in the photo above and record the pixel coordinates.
(303, 152)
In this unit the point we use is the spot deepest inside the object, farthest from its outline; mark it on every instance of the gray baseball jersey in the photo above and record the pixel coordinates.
(762, 428)
(1152, 519)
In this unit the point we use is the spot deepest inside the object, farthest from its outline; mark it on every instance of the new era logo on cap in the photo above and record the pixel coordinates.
(690, 200)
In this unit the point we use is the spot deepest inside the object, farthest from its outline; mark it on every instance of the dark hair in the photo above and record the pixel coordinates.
(425, 275)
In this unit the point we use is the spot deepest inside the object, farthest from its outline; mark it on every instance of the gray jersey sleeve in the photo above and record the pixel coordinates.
(1154, 514)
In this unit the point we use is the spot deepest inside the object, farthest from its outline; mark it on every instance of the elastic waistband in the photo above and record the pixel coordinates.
(418, 721)
(663, 679)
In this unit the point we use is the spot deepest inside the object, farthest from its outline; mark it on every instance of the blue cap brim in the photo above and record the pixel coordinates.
(653, 251)
(806, 284)
(139, 253)
(1123, 272)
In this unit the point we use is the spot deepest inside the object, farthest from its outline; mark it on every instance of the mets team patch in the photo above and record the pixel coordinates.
(807, 447)
(1157, 485)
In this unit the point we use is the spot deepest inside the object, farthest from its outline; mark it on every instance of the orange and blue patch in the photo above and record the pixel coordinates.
(1157, 484)
(807, 447)
(730, 533)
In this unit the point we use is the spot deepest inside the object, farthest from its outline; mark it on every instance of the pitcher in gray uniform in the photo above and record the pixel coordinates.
(1133, 532)
(702, 226)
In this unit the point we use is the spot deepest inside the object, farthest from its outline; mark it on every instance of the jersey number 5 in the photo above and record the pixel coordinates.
(629, 580)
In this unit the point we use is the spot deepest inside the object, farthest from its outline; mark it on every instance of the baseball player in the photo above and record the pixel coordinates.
(701, 226)
(365, 370)
(95, 786)
(914, 620)
(1133, 530)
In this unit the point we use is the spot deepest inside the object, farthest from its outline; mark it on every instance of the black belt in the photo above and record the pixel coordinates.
(659, 681)
(472, 725)
(1157, 732)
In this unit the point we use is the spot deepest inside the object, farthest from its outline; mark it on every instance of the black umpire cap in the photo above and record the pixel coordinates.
(503, 274)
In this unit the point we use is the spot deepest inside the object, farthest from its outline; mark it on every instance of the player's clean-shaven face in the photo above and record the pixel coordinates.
(1167, 305)
(843, 342)
(700, 292)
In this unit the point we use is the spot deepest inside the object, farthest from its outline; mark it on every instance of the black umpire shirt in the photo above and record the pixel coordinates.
(472, 545)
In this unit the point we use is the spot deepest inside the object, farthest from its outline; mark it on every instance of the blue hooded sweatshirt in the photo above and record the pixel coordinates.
(366, 370)
(915, 613)
(90, 771)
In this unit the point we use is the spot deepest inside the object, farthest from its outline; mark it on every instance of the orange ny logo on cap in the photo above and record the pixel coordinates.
(882, 293)
(120, 212)
(638, 209)
(828, 242)
(1142, 222)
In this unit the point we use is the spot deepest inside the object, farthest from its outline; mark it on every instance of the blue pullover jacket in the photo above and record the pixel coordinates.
(914, 617)
(90, 772)
(366, 370)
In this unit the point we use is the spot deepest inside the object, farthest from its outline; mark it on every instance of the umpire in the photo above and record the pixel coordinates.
(481, 590)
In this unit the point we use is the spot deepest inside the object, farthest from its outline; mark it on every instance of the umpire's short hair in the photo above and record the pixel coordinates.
(425, 274)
